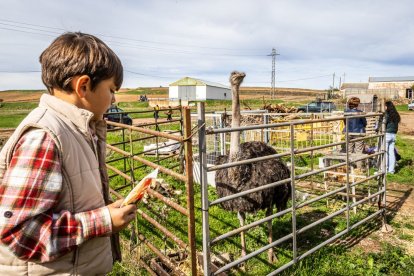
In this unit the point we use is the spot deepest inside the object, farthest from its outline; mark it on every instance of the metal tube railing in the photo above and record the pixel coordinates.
(297, 122)
(147, 131)
(253, 254)
(149, 163)
(207, 243)
(204, 188)
(273, 156)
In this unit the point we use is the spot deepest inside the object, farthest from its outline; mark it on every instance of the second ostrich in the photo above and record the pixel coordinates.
(245, 177)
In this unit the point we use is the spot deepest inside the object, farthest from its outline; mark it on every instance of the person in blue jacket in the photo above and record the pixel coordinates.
(356, 127)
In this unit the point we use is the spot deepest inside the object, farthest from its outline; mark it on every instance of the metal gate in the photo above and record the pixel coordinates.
(362, 192)
(126, 159)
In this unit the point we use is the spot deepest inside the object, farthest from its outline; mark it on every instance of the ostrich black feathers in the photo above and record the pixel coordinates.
(241, 178)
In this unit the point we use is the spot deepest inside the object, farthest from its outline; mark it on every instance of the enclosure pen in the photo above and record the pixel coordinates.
(292, 152)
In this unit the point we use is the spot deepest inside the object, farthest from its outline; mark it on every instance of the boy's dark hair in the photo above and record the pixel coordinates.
(353, 102)
(75, 54)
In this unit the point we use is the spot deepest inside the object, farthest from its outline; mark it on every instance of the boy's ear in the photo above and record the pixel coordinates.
(81, 84)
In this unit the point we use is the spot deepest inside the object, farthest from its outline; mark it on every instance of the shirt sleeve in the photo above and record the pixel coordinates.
(29, 191)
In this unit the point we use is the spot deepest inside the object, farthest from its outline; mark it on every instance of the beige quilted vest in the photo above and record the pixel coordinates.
(85, 185)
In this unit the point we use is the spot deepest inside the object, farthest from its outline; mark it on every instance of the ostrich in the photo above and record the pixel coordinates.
(240, 178)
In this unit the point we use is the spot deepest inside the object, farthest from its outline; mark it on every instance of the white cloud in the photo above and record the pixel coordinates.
(208, 39)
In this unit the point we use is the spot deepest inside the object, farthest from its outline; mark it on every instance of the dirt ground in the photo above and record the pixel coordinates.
(400, 205)
(406, 125)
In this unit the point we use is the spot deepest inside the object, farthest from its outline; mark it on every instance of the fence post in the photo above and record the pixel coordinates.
(383, 178)
(222, 136)
(204, 187)
(347, 171)
(188, 148)
(292, 177)
(266, 130)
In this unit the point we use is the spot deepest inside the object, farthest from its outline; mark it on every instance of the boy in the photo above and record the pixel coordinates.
(55, 211)
(356, 125)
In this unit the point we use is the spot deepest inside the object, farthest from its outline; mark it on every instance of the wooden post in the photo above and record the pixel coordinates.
(188, 152)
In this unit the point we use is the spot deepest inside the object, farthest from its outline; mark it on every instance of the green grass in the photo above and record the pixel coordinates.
(402, 107)
(216, 105)
(18, 106)
(405, 167)
(146, 91)
(338, 260)
(331, 260)
(11, 120)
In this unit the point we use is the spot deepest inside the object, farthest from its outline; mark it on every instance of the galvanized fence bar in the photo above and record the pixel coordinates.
(148, 131)
(249, 226)
(280, 182)
(149, 163)
(273, 156)
(297, 122)
(253, 254)
(204, 188)
(293, 193)
(347, 169)
(207, 243)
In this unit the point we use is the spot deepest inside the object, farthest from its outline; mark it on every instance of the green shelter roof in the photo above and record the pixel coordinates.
(187, 81)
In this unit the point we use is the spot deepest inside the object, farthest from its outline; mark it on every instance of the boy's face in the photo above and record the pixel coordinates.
(99, 100)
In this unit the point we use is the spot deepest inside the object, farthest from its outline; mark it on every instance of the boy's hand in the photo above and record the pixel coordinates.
(121, 216)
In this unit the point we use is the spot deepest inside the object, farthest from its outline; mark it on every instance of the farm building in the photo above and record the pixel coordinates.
(383, 87)
(400, 86)
(191, 89)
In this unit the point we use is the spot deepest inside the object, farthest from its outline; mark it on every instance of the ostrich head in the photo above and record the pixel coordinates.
(236, 78)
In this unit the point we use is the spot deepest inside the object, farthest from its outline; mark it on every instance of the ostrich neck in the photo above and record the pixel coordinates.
(235, 121)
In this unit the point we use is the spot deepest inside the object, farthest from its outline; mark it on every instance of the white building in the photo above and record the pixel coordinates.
(191, 89)
(383, 87)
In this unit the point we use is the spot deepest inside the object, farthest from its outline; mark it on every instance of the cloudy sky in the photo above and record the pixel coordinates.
(160, 42)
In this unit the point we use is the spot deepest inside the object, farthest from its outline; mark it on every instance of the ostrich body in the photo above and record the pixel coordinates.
(245, 177)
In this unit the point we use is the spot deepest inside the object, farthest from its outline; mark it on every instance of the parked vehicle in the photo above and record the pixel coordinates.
(116, 114)
(411, 105)
(317, 106)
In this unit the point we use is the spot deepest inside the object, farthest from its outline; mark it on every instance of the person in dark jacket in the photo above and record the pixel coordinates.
(392, 119)
(356, 126)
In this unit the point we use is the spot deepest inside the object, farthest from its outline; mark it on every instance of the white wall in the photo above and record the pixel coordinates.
(173, 92)
(201, 93)
(204, 92)
(217, 93)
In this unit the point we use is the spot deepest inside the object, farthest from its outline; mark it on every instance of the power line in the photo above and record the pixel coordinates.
(28, 71)
(123, 44)
(2, 28)
(141, 74)
(135, 40)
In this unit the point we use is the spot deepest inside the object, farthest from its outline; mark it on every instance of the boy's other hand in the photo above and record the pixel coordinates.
(121, 216)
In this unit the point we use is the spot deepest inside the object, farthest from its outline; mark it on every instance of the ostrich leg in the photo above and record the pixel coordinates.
(270, 254)
(242, 217)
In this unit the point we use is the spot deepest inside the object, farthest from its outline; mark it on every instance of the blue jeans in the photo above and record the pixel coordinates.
(390, 142)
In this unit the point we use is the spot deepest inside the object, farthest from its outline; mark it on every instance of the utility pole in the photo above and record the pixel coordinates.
(333, 85)
(273, 55)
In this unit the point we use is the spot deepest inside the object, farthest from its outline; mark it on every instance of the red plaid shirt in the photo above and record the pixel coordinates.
(28, 194)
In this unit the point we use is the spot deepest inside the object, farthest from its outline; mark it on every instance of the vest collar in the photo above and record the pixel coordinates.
(81, 118)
